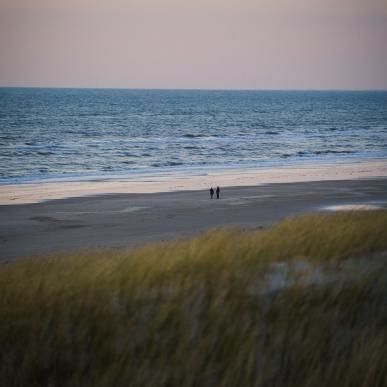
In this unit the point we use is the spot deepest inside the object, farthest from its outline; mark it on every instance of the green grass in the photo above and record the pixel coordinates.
(189, 314)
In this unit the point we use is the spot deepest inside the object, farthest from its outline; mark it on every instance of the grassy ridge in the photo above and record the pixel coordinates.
(199, 313)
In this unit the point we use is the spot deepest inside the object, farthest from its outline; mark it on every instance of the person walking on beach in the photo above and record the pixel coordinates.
(217, 192)
(212, 192)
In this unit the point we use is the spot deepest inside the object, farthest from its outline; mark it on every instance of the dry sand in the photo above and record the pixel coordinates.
(126, 220)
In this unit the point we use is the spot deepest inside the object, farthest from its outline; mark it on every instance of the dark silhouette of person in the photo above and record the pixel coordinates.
(217, 192)
(212, 192)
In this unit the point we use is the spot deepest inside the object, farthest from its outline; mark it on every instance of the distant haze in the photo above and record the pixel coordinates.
(226, 44)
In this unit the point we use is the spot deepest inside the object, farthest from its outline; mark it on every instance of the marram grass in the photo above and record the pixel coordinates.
(197, 313)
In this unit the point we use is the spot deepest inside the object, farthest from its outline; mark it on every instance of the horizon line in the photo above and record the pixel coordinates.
(185, 89)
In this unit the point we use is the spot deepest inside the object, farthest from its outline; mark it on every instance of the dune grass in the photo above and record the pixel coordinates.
(196, 312)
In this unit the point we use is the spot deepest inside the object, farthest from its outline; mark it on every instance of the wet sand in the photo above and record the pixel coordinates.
(128, 220)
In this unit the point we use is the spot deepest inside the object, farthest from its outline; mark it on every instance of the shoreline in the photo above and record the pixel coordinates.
(28, 193)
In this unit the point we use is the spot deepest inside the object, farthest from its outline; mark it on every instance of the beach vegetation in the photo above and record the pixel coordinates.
(300, 304)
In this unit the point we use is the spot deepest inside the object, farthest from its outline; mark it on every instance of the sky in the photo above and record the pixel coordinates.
(194, 44)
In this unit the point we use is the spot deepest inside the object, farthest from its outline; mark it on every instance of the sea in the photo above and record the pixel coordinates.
(97, 134)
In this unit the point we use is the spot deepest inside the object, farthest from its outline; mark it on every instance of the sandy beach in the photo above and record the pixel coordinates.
(127, 214)
(182, 181)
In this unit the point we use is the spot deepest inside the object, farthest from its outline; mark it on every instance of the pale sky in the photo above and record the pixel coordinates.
(221, 44)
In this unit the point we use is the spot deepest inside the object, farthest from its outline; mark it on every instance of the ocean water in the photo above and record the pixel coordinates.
(53, 134)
